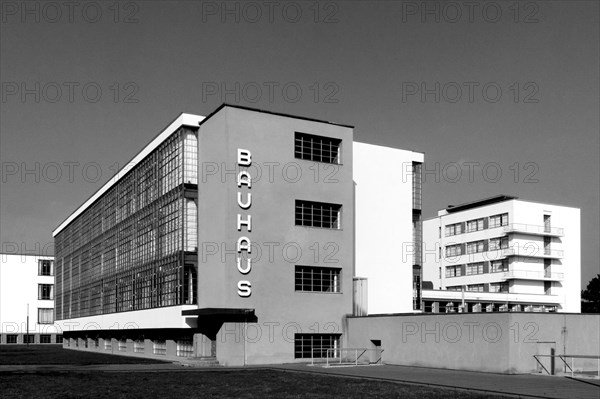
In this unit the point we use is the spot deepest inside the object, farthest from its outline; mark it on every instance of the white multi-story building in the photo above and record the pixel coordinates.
(27, 300)
(502, 254)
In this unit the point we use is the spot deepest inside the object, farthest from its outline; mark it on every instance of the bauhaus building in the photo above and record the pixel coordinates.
(245, 237)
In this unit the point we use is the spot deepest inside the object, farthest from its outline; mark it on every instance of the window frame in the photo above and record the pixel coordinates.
(305, 218)
(42, 264)
(479, 225)
(301, 152)
(43, 320)
(45, 296)
(303, 340)
(299, 281)
(453, 271)
(498, 220)
(477, 266)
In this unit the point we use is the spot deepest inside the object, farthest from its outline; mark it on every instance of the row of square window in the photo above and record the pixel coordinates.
(476, 225)
(307, 279)
(474, 247)
(305, 345)
(494, 287)
(471, 269)
(30, 339)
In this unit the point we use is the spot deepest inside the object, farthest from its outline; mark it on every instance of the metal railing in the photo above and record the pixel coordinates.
(348, 356)
(531, 249)
(534, 275)
(534, 229)
(571, 366)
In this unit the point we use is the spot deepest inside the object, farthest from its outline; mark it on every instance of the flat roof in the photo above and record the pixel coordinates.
(181, 120)
(478, 203)
(184, 119)
(274, 113)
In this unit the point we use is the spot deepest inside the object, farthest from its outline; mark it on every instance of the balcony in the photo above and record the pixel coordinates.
(534, 230)
(458, 296)
(532, 275)
(532, 250)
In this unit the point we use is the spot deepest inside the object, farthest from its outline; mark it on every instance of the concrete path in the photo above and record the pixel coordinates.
(522, 385)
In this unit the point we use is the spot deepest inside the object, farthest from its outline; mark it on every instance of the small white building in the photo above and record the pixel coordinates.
(502, 254)
(27, 292)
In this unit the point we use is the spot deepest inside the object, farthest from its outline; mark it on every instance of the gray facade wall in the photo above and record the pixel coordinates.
(279, 179)
(500, 342)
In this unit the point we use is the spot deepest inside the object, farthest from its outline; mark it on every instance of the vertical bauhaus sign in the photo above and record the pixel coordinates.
(244, 201)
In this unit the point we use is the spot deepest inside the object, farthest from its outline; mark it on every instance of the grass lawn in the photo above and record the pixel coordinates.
(55, 354)
(208, 384)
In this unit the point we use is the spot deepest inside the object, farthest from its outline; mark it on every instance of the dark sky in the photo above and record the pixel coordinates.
(510, 93)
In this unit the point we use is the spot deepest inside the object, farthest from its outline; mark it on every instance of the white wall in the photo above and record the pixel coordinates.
(383, 223)
(166, 317)
(18, 287)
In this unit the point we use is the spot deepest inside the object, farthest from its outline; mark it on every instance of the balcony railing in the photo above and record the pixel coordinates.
(533, 250)
(533, 275)
(534, 229)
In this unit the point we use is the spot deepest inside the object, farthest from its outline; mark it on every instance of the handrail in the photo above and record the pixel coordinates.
(535, 229)
(563, 358)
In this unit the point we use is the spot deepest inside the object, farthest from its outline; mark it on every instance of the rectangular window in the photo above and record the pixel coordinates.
(46, 291)
(318, 214)
(317, 279)
(185, 347)
(45, 316)
(453, 288)
(317, 148)
(547, 224)
(498, 220)
(59, 338)
(474, 225)
(499, 266)
(498, 243)
(453, 229)
(475, 247)
(499, 287)
(307, 346)
(453, 250)
(138, 346)
(45, 339)
(122, 345)
(12, 338)
(474, 268)
(453, 271)
(547, 242)
(159, 347)
(45, 268)
(475, 288)
(28, 339)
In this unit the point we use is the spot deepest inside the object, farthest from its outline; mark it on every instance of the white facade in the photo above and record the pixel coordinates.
(27, 287)
(504, 254)
(384, 243)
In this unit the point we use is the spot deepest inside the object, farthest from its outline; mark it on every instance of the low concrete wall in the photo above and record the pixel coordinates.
(490, 342)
